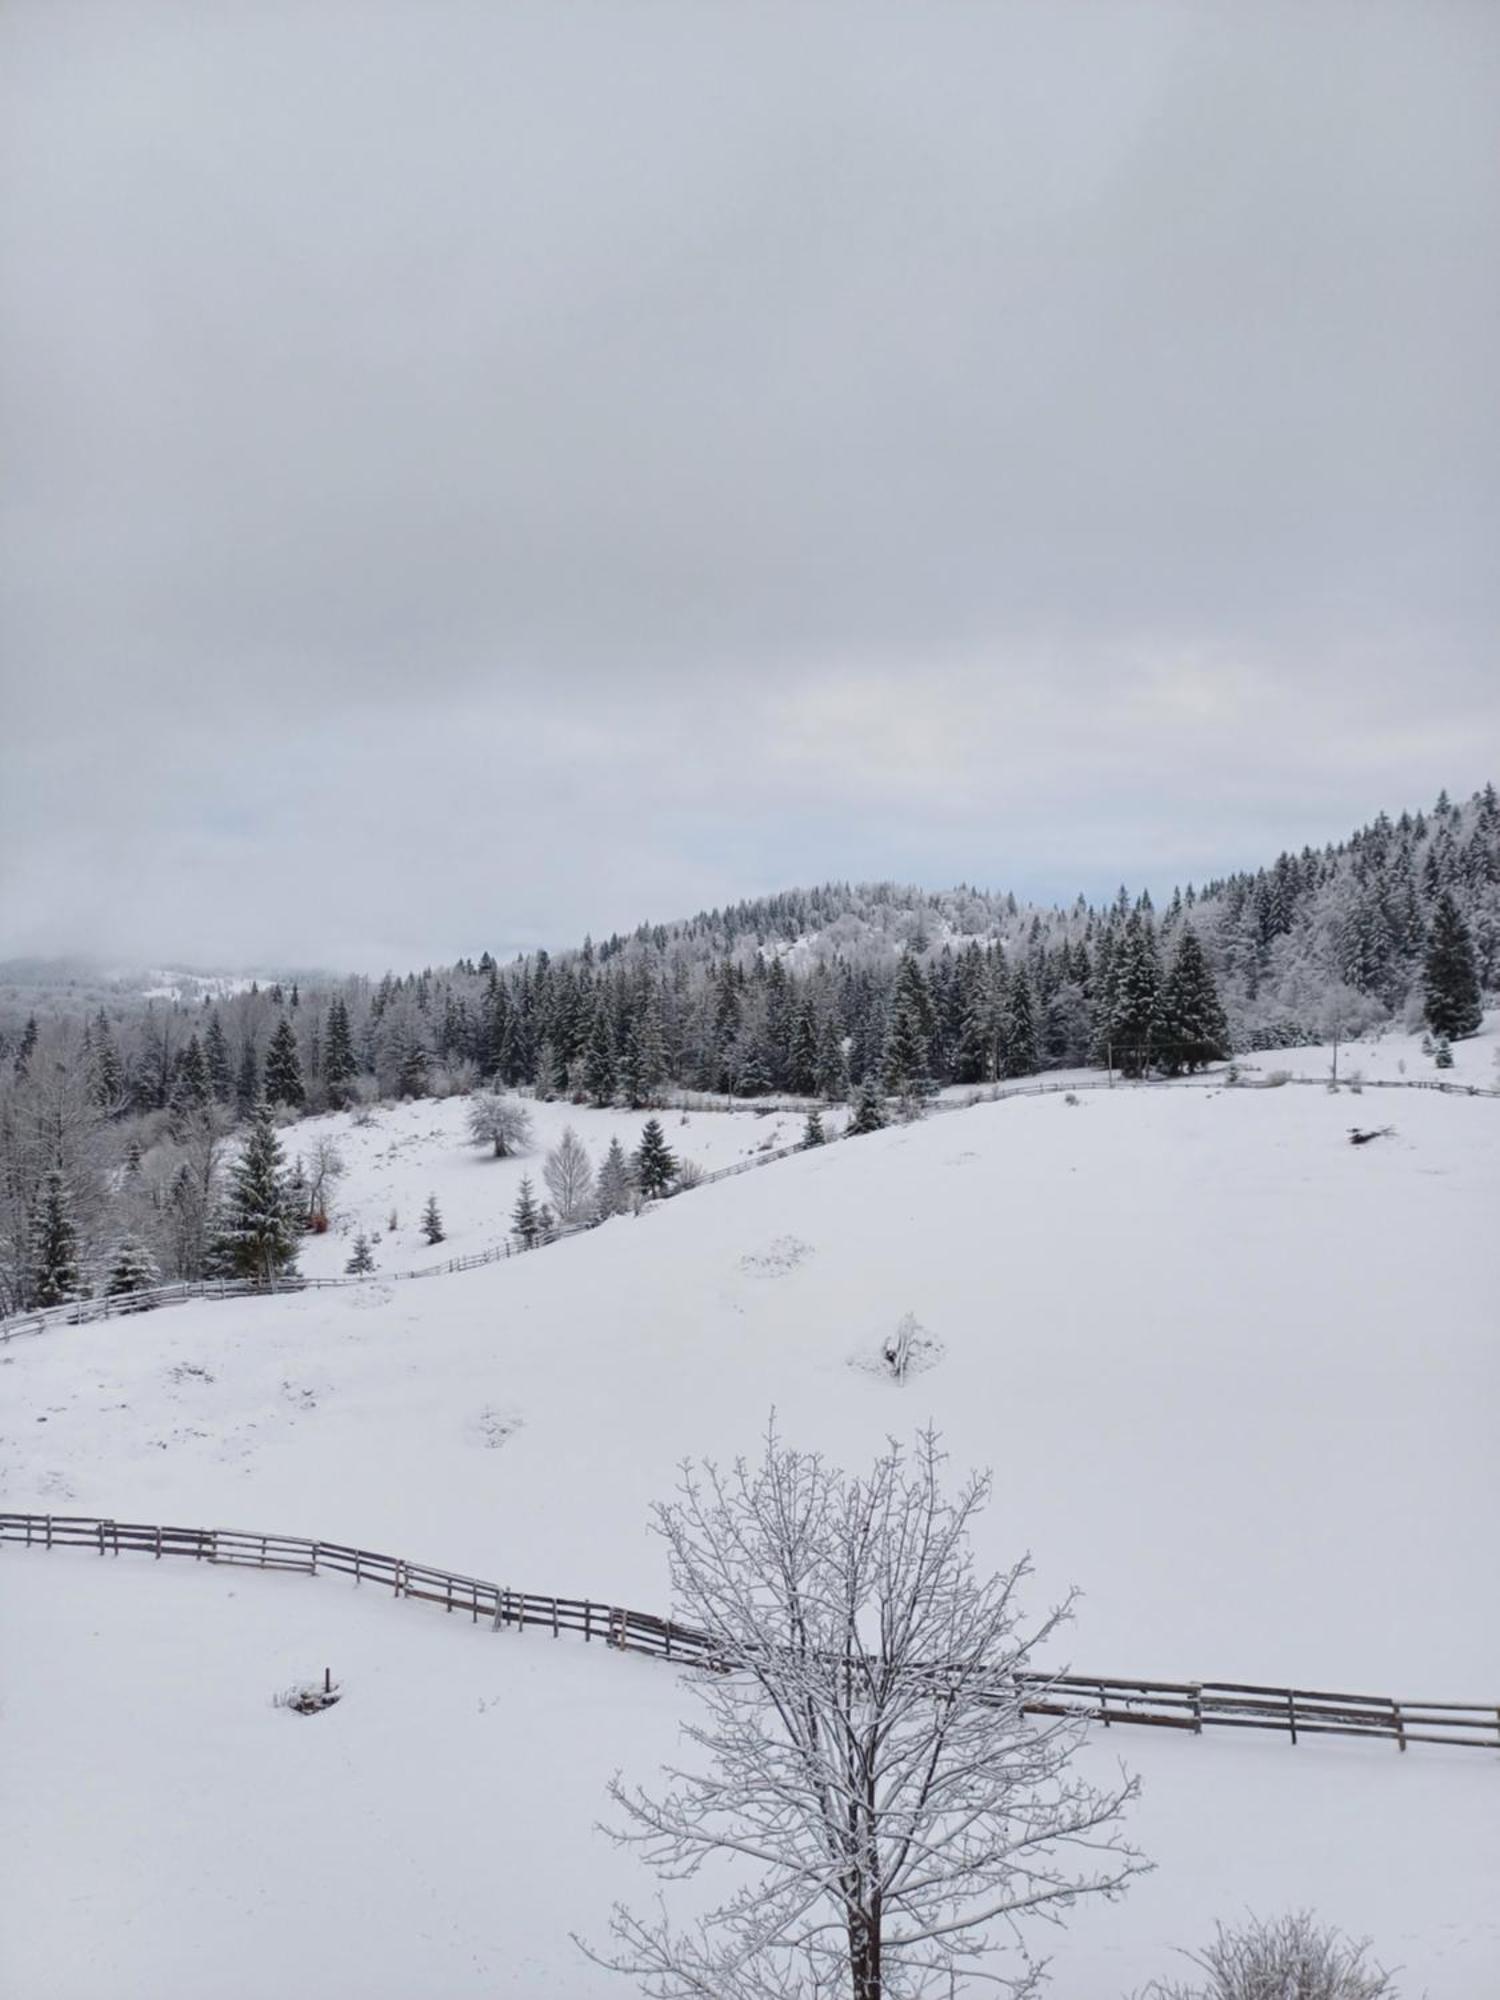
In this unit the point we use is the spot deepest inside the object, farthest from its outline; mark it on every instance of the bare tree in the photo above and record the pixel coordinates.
(896, 1817)
(499, 1122)
(569, 1175)
(325, 1169)
(1290, 1958)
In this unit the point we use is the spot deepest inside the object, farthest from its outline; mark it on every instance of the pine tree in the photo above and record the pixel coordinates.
(362, 1263)
(1135, 1023)
(55, 1276)
(599, 1062)
(1451, 975)
(132, 1269)
(1194, 1030)
(26, 1048)
(833, 1062)
(432, 1221)
(339, 1065)
(220, 1067)
(1442, 1055)
(812, 1132)
(258, 1235)
(524, 1217)
(193, 1086)
(869, 1111)
(612, 1191)
(654, 1164)
(284, 1068)
(1021, 1057)
(108, 1077)
(646, 1058)
(908, 1043)
(247, 1082)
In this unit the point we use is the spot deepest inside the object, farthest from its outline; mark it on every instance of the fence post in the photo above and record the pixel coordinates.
(1400, 1725)
(1291, 1712)
(1197, 1708)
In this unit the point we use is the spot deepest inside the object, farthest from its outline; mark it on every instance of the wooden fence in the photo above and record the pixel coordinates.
(1108, 1699)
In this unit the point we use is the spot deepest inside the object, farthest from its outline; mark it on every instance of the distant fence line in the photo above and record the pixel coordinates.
(79, 1312)
(1094, 1698)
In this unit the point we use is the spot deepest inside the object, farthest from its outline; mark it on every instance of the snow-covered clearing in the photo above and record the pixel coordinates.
(409, 1150)
(1236, 1377)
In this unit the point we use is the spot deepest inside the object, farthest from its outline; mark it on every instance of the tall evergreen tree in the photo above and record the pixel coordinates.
(432, 1221)
(339, 1062)
(284, 1083)
(612, 1189)
(908, 1042)
(1451, 976)
(216, 1054)
(258, 1232)
(1194, 1030)
(193, 1087)
(247, 1080)
(1021, 1056)
(55, 1274)
(362, 1262)
(869, 1111)
(132, 1269)
(525, 1217)
(1135, 1024)
(654, 1163)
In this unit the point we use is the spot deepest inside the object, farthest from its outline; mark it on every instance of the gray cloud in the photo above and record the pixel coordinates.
(475, 473)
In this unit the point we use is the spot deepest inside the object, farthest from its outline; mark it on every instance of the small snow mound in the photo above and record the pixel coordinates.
(909, 1350)
(359, 1298)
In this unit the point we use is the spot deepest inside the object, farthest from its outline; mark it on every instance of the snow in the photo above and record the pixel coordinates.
(1236, 1378)
(409, 1150)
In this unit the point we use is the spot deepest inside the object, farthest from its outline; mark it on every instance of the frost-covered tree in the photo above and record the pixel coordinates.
(1193, 1028)
(501, 1122)
(362, 1262)
(258, 1231)
(654, 1162)
(247, 1080)
(432, 1221)
(907, 1057)
(869, 1111)
(613, 1191)
(220, 1068)
(284, 1083)
(1020, 1037)
(525, 1218)
(340, 1065)
(1135, 1018)
(55, 1273)
(569, 1175)
(1290, 1958)
(812, 1132)
(1451, 976)
(132, 1269)
(864, 1747)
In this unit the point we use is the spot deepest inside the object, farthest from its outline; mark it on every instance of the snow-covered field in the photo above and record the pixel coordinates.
(407, 1151)
(1236, 1378)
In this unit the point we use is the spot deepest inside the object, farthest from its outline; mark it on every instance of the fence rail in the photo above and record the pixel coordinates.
(80, 1312)
(1107, 1699)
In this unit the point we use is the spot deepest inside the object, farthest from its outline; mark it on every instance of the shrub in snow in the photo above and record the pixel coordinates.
(908, 1350)
(689, 1175)
(1071, 1097)
(311, 1698)
(1443, 1054)
(362, 1262)
(812, 1132)
(1292, 1958)
(501, 1122)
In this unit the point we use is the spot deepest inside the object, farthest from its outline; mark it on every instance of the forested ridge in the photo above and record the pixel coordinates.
(814, 992)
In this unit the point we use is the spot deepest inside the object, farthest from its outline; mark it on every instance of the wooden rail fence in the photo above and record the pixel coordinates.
(1108, 1699)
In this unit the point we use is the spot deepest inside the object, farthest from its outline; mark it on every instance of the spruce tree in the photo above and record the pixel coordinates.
(869, 1111)
(258, 1234)
(362, 1263)
(132, 1269)
(284, 1068)
(1021, 1055)
(1442, 1055)
(599, 1062)
(432, 1221)
(612, 1189)
(908, 1043)
(339, 1065)
(55, 1276)
(812, 1132)
(1451, 975)
(654, 1164)
(192, 1087)
(1135, 1022)
(247, 1081)
(220, 1067)
(525, 1220)
(1194, 1030)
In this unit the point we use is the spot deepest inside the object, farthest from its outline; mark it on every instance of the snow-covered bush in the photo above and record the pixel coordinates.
(1292, 1958)
(689, 1175)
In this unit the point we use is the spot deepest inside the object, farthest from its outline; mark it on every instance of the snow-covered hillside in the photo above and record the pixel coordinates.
(1236, 1378)
(404, 1152)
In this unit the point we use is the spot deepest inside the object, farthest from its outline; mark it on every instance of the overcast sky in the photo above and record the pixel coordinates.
(474, 474)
